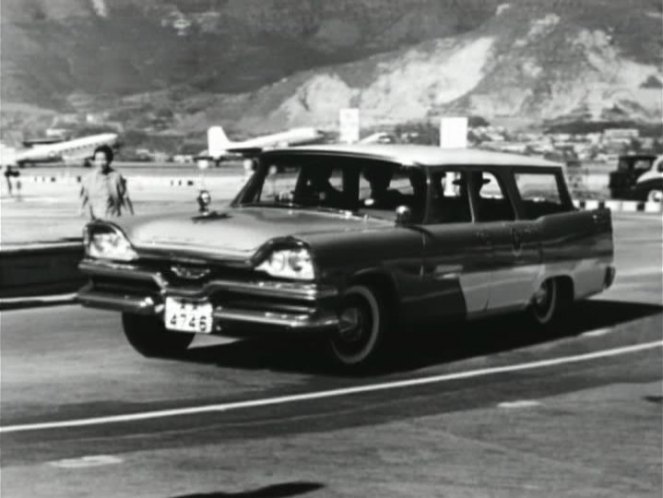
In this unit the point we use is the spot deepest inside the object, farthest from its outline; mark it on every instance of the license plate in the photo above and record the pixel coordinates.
(188, 316)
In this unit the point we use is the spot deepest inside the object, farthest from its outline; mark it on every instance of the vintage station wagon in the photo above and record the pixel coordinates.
(351, 243)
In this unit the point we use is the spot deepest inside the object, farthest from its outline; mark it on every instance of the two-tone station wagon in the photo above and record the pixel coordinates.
(350, 242)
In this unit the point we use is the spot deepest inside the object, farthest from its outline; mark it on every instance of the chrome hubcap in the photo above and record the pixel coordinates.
(541, 295)
(543, 301)
(349, 322)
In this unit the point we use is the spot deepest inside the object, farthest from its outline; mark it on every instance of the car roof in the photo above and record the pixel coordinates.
(417, 155)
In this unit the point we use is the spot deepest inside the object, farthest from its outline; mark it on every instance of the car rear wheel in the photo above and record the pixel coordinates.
(546, 303)
(655, 195)
(150, 338)
(362, 329)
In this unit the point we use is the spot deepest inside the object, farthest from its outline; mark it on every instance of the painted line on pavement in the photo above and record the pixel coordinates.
(334, 393)
(523, 403)
(86, 462)
(597, 332)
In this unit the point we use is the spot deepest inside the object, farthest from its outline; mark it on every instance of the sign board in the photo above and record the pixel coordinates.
(453, 132)
(348, 125)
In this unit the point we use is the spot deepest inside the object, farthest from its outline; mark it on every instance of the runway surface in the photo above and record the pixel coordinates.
(495, 408)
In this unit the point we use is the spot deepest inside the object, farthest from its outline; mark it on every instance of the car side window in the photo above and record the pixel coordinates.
(540, 194)
(491, 202)
(449, 198)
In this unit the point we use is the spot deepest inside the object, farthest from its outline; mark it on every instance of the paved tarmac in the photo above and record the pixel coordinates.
(494, 409)
(48, 211)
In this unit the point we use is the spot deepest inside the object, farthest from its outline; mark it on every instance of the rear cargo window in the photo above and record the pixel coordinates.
(540, 194)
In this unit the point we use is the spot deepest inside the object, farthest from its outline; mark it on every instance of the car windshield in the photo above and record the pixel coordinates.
(634, 164)
(365, 187)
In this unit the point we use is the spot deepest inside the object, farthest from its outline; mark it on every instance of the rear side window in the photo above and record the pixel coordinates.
(540, 194)
(491, 202)
(450, 202)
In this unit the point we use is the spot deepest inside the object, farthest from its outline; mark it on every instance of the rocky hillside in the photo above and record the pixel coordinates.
(54, 48)
(261, 65)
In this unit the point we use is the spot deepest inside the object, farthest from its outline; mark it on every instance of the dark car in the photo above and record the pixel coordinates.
(353, 243)
(630, 168)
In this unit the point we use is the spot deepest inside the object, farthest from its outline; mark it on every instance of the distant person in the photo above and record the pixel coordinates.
(13, 177)
(104, 190)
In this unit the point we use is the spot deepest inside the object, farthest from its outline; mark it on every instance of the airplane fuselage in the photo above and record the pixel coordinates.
(76, 149)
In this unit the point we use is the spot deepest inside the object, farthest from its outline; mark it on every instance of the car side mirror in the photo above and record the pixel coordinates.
(403, 215)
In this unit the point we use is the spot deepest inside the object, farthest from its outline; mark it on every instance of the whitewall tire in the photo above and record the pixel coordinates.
(362, 328)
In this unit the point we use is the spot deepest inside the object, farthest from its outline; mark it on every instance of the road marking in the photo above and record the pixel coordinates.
(86, 461)
(524, 403)
(597, 332)
(333, 393)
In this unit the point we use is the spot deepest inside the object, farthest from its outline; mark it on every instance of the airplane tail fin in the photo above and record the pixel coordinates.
(217, 141)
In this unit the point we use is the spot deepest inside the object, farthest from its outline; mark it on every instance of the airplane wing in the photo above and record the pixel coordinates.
(42, 141)
(245, 151)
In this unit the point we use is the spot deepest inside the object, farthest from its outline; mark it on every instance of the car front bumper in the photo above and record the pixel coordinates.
(239, 307)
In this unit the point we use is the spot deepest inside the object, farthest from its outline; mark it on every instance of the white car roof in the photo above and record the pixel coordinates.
(422, 155)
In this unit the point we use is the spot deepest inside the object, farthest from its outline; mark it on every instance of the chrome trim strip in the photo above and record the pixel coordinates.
(123, 270)
(146, 305)
(131, 304)
(289, 290)
(286, 320)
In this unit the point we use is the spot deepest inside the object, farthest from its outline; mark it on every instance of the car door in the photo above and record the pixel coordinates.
(515, 243)
(457, 254)
(577, 244)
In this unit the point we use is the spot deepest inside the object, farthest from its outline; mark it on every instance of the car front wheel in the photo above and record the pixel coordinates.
(148, 336)
(362, 328)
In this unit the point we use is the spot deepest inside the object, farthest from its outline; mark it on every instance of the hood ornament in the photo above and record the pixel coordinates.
(204, 200)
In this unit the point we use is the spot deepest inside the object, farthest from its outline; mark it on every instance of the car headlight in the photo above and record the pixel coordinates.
(289, 263)
(106, 242)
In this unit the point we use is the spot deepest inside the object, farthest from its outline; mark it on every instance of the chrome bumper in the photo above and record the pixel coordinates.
(317, 299)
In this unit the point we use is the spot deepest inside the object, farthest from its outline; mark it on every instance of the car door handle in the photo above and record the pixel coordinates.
(484, 237)
(517, 237)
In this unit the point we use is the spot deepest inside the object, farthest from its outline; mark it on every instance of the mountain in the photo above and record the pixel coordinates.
(52, 48)
(260, 65)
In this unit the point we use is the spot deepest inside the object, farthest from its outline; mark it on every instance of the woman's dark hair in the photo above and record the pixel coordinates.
(106, 150)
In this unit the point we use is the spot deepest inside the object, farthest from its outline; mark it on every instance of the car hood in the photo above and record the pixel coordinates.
(237, 233)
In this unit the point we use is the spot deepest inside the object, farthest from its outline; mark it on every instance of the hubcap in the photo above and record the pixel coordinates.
(541, 295)
(355, 328)
(349, 324)
(543, 300)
